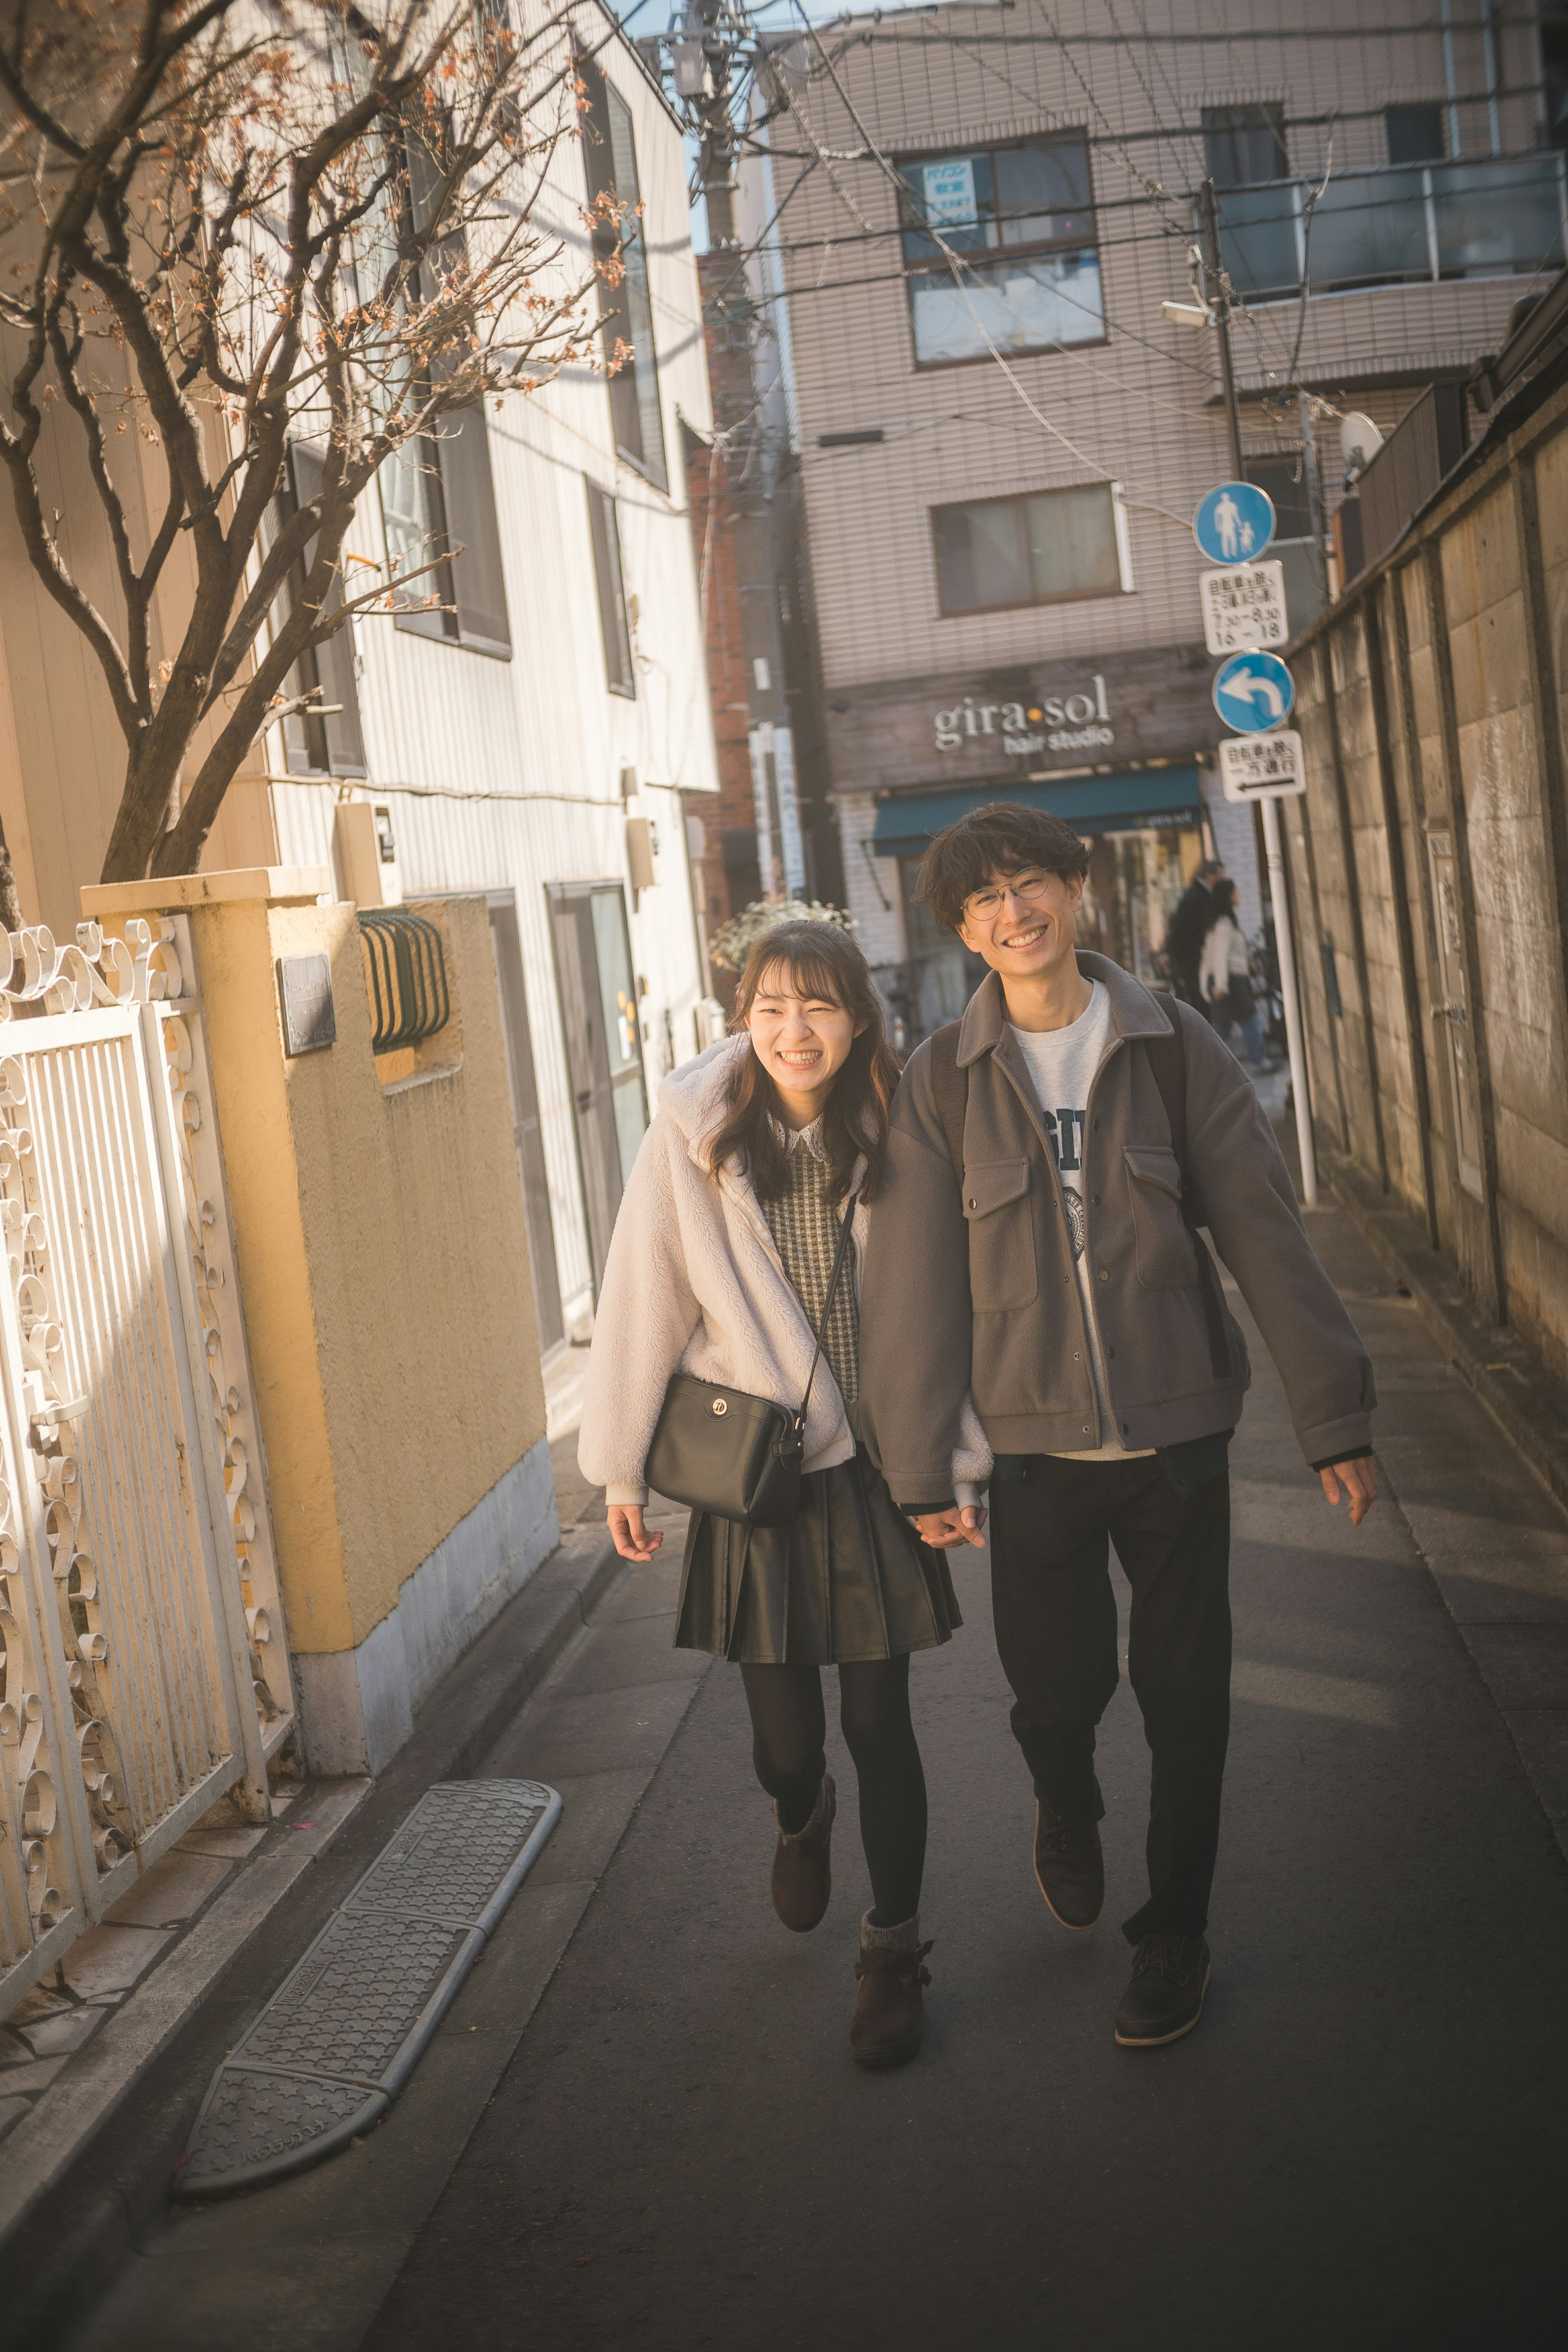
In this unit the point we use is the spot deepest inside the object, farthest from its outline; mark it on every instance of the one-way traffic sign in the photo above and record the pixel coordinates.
(1244, 608)
(1262, 767)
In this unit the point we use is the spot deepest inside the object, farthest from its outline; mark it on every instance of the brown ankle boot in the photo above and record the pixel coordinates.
(888, 2011)
(802, 1874)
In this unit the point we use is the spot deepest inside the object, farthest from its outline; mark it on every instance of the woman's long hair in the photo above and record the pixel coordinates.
(1223, 903)
(822, 962)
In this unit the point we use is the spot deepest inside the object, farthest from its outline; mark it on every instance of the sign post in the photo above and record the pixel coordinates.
(1285, 951)
(1254, 693)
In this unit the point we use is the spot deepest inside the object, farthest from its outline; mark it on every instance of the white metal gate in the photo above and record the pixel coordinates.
(141, 1672)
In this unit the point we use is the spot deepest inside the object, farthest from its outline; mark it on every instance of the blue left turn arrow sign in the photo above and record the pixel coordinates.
(1253, 692)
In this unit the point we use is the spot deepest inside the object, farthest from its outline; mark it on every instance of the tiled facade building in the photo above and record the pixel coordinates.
(1002, 437)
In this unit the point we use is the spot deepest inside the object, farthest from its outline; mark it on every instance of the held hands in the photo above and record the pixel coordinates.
(941, 1529)
(1359, 1480)
(627, 1533)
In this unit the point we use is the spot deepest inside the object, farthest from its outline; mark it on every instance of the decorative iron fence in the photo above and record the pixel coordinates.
(141, 1675)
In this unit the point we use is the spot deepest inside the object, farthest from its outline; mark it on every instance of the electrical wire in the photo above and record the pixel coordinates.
(958, 264)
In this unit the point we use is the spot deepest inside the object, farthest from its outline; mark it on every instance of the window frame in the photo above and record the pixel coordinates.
(1408, 109)
(1121, 537)
(445, 487)
(610, 581)
(629, 306)
(337, 654)
(1266, 115)
(915, 269)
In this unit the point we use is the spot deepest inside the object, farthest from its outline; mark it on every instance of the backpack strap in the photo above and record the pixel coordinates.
(950, 1085)
(1167, 1058)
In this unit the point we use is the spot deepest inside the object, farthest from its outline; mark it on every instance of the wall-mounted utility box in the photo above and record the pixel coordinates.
(367, 853)
(642, 848)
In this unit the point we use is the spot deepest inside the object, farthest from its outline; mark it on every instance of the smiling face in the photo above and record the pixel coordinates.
(1024, 924)
(802, 1040)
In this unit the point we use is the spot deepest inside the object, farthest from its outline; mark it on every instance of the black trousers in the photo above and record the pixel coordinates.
(1052, 1523)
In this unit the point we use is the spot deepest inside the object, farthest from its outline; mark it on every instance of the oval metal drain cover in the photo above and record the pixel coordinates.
(344, 2029)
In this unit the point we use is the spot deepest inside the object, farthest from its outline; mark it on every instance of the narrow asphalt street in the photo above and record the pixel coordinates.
(1361, 2146)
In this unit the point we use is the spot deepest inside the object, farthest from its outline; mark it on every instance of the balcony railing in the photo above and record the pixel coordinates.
(1408, 224)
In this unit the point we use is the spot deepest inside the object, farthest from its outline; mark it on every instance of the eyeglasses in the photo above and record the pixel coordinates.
(1028, 889)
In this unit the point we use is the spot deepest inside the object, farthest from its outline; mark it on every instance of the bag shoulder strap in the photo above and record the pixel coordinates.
(1168, 1061)
(846, 1228)
(950, 1085)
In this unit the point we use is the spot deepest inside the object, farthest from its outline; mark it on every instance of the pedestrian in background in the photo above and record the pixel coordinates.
(720, 1267)
(1187, 930)
(1051, 1157)
(1225, 978)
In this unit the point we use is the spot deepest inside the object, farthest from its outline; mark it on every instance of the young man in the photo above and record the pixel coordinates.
(1029, 1244)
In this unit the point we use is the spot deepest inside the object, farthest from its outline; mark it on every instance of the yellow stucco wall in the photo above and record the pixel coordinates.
(383, 1259)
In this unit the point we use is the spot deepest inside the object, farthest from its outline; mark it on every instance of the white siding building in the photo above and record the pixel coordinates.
(533, 745)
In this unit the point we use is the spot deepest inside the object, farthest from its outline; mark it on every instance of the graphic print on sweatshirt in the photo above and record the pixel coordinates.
(1064, 1127)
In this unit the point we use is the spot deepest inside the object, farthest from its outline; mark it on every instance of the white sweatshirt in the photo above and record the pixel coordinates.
(694, 1284)
(1225, 956)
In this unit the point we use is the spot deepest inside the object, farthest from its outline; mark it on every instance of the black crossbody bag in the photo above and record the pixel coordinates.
(732, 1456)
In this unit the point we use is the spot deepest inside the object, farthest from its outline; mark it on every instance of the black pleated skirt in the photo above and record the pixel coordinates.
(848, 1579)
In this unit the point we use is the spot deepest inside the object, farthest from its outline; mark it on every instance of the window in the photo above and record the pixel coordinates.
(619, 673)
(438, 499)
(1033, 203)
(438, 495)
(1244, 144)
(1030, 550)
(1285, 481)
(330, 743)
(1415, 134)
(610, 157)
(1553, 28)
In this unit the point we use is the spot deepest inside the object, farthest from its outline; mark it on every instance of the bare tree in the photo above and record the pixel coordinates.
(232, 222)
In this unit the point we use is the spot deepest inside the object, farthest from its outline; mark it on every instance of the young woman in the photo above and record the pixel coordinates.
(720, 1267)
(1225, 978)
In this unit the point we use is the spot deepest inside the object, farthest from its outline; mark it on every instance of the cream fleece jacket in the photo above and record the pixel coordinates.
(694, 1284)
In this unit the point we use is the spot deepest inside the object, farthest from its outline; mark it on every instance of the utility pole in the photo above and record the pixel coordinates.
(1279, 892)
(718, 148)
(1220, 304)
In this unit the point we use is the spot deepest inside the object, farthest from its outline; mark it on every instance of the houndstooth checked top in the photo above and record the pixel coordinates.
(804, 1224)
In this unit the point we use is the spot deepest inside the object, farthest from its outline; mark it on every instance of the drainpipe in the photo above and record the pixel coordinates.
(1445, 12)
(1488, 50)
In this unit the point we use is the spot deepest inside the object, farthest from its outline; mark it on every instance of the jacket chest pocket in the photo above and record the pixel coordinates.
(1166, 1259)
(1000, 1217)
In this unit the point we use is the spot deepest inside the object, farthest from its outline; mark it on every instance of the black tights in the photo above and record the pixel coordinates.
(787, 1726)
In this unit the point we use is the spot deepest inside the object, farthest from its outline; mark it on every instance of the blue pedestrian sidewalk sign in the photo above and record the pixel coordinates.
(1253, 692)
(1234, 523)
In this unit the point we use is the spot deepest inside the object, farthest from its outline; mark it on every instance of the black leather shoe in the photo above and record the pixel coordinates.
(1165, 1998)
(1070, 1868)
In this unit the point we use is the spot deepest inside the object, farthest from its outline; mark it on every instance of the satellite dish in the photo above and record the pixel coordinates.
(1360, 441)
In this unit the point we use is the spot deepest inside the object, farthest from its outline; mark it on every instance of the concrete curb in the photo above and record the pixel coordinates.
(101, 2185)
(1528, 1401)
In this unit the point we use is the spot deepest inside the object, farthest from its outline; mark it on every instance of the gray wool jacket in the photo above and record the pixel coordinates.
(973, 1290)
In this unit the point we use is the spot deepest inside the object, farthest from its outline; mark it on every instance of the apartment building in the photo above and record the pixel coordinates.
(979, 212)
(528, 738)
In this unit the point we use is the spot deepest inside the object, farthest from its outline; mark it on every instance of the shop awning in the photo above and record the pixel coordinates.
(1090, 805)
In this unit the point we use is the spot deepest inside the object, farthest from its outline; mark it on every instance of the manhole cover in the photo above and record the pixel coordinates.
(344, 2029)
